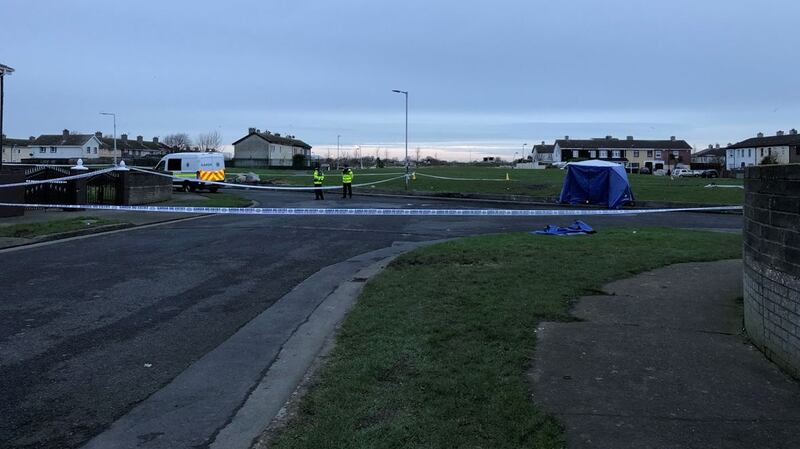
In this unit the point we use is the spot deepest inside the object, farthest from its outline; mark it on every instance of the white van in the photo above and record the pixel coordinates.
(195, 168)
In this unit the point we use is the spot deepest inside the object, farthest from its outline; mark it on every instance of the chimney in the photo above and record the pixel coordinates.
(710, 146)
(608, 137)
(258, 131)
(65, 132)
(717, 146)
(671, 137)
(124, 137)
(779, 133)
(566, 137)
(139, 139)
(543, 142)
(155, 139)
(251, 130)
(277, 134)
(629, 137)
(792, 132)
(98, 134)
(760, 135)
(32, 138)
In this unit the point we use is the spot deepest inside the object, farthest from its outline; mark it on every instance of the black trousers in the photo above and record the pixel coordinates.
(347, 189)
(318, 193)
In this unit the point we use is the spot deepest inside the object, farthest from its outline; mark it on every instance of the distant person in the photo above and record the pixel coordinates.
(347, 182)
(318, 178)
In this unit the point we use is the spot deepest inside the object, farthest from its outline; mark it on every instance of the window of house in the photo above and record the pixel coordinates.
(53, 149)
(634, 165)
(95, 150)
(658, 155)
(88, 150)
(649, 153)
(615, 154)
(593, 154)
(43, 149)
(636, 154)
(603, 154)
(762, 152)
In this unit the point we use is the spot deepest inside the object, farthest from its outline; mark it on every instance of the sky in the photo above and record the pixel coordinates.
(484, 77)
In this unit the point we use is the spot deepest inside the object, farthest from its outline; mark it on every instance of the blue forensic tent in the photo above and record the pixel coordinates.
(596, 182)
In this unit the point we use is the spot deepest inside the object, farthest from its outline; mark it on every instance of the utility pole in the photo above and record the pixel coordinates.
(338, 137)
(404, 92)
(4, 70)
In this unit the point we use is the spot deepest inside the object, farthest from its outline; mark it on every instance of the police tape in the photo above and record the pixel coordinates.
(262, 187)
(376, 211)
(59, 180)
(447, 178)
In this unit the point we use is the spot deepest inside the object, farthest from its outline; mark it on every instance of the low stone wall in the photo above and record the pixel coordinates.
(143, 188)
(772, 262)
(12, 194)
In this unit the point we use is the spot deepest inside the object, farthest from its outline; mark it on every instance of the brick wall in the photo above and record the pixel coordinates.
(772, 262)
(143, 188)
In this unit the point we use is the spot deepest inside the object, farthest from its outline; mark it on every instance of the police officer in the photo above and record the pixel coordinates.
(347, 182)
(318, 178)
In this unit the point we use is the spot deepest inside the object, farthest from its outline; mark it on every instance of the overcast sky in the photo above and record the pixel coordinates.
(483, 76)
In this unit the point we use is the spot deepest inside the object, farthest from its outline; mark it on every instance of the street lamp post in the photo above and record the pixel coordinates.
(523, 149)
(4, 70)
(115, 133)
(338, 137)
(404, 92)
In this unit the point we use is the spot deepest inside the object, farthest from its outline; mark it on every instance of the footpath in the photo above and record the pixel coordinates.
(661, 361)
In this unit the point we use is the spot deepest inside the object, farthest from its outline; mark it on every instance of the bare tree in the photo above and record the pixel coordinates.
(180, 141)
(209, 141)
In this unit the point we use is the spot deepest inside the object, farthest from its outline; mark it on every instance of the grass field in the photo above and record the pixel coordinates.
(534, 183)
(436, 350)
(30, 230)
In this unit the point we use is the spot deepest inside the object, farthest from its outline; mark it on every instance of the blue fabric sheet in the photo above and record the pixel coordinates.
(577, 228)
(596, 182)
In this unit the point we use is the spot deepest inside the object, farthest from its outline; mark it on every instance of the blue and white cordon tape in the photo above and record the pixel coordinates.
(376, 211)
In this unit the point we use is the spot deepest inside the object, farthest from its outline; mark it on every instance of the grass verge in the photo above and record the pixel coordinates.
(30, 230)
(534, 183)
(435, 352)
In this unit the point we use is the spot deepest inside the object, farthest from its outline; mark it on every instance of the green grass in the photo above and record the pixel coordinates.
(30, 230)
(436, 350)
(534, 183)
(219, 199)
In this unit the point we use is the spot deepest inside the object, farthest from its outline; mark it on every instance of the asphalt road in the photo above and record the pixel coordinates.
(91, 327)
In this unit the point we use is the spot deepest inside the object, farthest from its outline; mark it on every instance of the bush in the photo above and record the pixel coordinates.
(298, 161)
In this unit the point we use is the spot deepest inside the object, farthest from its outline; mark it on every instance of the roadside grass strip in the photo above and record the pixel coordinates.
(435, 352)
(30, 230)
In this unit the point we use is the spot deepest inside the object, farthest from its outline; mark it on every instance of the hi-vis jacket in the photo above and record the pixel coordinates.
(347, 176)
(318, 177)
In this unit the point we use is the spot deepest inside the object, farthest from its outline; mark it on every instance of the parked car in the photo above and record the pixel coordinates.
(709, 173)
(644, 171)
(684, 173)
(660, 172)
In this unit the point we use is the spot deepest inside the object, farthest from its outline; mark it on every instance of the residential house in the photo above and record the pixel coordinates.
(634, 154)
(15, 149)
(543, 153)
(782, 148)
(63, 147)
(127, 148)
(712, 157)
(267, 149)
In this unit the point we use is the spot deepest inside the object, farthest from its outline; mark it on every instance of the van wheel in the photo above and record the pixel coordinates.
(213, 189)
(192, 187)
(185, 186)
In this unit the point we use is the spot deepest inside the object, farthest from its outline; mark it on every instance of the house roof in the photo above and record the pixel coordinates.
(279, 140)
(769, 141)
(544, 148)
(75, 140)
(133, 144)
(710, 152)
(624, 144)
(10, 141)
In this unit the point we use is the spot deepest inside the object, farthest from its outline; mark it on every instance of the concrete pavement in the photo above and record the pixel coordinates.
(91, 327)
(660, 362)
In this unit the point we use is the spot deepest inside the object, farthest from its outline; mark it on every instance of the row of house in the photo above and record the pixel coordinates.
(68, 146)
(635, 154)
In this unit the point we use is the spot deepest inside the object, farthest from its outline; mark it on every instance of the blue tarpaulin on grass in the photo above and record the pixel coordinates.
(596, 182)
(577, 228)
